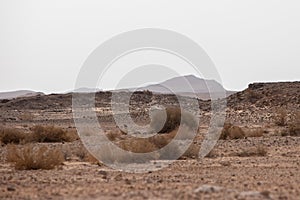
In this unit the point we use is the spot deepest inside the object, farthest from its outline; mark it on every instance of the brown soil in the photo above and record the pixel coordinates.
(263, 167)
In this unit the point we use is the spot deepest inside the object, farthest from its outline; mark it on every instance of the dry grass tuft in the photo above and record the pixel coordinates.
(34, 158)
(294, 129)
(113, 135)
(137, 145)
(12, 136)
(281, 118)
(160, 140)
(173, 117)
(232, 132)
(26, 116)
(85, 156)
(192, 151)
(253, 151)
(49, 134)
(258, 132)
(212, 154)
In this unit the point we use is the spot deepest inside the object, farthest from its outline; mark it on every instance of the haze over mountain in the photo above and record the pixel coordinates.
(189, 85)
(18, 93)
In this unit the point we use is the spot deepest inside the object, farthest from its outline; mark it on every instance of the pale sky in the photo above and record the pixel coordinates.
(43, 44)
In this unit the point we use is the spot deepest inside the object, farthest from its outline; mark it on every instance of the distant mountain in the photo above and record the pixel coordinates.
(86, 90)
(189, 85)
(19, 93)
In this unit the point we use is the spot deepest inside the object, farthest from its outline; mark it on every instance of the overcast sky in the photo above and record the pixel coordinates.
(43, 44)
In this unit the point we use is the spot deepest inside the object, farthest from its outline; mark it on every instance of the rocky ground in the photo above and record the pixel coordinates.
(262, 167)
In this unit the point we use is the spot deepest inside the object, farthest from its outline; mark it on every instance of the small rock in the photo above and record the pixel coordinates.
(265, 193)
(104, 173)
(127, 181)
(119, 177)
(225, 163)
(11, 189)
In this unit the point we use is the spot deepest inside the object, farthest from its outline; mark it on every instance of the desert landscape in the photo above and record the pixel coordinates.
(256, 157)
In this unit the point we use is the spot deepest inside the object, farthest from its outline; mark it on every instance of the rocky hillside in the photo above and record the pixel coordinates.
(259, 103)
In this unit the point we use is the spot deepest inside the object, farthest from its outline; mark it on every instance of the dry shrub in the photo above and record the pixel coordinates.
(10, 135)
(26, 116)
(170, 152)
(137, 145)
(113, 135)
(110, 154)
(184, 133)
(294, 129)
(253, 151)
(212, 154)
(32, 157)
(85, 156)
(71, 135)
(232, 132)
(160, 140)
(91, 159)
(192, 151)
(173, 119)
(50, 134)
(281, 118)
(258, 132)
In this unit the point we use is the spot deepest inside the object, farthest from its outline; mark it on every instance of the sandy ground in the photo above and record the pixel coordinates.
(225, 174)
(275, 176)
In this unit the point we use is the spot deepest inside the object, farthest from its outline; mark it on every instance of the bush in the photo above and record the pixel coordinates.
(85, 156)
(253, 151)
(294, 130)
(50, 134)
(34, 158)
(113, 135)
(281, 118)
(160, 140)
(170, 152)
(137, 145)
(232, 132)
(110, 154)
(173, 119)
(9, 135)
(258, 132)
(26, 116)
(192, 151)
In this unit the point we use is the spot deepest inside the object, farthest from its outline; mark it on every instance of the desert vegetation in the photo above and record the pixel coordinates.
(41, 134)
(281, 118)
(52, 134)
(30, 157)
(258, 150)
(173, 117)
(42, 152)
(231, 131)
(12, 135)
